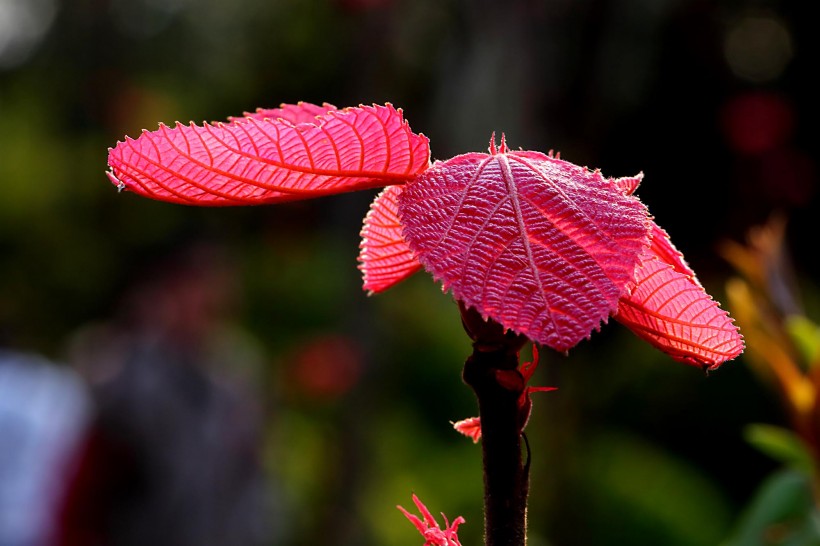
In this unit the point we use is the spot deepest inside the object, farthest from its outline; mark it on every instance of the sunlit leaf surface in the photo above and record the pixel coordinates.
(670, 309)
(385, 257)
(542, 246)
(259, 159)
(301, 112)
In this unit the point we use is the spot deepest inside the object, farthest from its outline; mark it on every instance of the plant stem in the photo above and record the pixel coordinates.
(506, 478)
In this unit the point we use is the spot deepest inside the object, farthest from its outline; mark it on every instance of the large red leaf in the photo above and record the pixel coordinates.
(542, 246)
(385, 257)
(669, 308)
(259, 159)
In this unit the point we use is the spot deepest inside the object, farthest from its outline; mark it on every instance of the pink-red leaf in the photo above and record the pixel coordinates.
(301, 112)
(258, 159)
(544, 247)
(670, 309)
(385, 257)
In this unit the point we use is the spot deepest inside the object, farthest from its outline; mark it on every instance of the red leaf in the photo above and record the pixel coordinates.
(544, 247)
(385, 257)
(256, 160)
(670, 309)
(302, 112)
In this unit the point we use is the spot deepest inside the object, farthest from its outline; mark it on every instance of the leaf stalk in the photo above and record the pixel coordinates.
(506, 476)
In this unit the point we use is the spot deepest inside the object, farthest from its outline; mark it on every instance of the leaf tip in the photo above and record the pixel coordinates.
(500, 149)
(120, 185)
(628, 184)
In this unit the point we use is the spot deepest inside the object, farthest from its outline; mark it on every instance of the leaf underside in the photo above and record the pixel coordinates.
(385, 258)
(260, 159)
(540, 245)
(669, 308)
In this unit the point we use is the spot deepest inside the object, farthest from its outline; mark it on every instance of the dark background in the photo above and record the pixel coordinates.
(714, 101)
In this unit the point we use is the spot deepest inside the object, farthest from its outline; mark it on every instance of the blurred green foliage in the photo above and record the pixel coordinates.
(632, 449)
(783, 513)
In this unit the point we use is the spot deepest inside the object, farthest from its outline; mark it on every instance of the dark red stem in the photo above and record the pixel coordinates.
(506, 477)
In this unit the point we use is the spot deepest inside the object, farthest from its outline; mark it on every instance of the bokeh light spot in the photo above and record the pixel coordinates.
(23, 25)
(757, 122)
(758, 47)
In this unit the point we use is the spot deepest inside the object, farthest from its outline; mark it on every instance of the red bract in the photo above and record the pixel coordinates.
(544, 247)
(469, 427)
(514, 381)
(429, 528)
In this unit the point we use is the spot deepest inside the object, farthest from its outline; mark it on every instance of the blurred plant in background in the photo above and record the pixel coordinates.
(783, 348)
